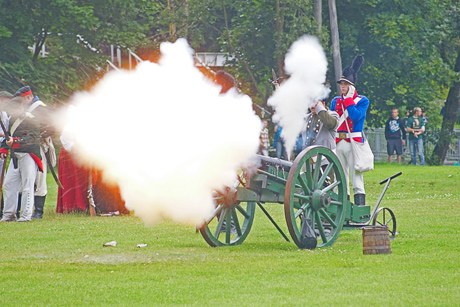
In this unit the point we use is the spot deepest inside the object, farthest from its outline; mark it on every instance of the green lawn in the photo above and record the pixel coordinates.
(60, 260)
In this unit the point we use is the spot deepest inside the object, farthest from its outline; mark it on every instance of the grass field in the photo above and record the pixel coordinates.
(60, 260)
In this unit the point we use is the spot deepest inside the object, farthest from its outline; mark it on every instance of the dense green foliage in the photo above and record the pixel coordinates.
(60, 261)
(75, 32)
(409, 58)
(411, 48)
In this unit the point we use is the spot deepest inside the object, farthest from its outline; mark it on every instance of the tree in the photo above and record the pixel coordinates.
(258, 34)
(75, 33)
(402, 45)
(446, 29)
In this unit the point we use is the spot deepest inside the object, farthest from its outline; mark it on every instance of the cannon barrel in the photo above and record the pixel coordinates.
(274, 162)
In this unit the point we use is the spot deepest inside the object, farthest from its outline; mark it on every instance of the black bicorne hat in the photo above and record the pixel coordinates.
(350, 74)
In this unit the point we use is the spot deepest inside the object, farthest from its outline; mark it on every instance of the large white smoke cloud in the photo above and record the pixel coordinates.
(306, 64)
(165, 135)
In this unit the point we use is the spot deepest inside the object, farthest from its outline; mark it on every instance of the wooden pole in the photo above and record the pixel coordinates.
(335, 42)
(317, 13)
(2, 178)
(92, 205)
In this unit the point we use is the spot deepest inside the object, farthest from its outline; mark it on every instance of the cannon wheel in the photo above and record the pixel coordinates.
(305, 186)
(243, 217)
(386, 217)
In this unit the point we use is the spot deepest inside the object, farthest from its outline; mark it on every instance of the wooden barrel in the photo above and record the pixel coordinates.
(376, 240)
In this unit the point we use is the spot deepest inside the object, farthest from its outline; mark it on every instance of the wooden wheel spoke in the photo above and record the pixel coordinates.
(303, 182)
(221, 222)
(336, 202)
(243, 212)
(308, 177)
(321, 228)
(327, 217)
(228, 227)
(330, 187)
(302, 197)
(317, 171)
(301, 209)
(236, 222)
(308, 212)
(297, 205)
(325, 173)
(214, 214)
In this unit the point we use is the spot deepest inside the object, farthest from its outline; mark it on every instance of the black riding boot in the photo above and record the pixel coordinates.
(18, 211)
(39, 203)
(360, 200)
(1, 211)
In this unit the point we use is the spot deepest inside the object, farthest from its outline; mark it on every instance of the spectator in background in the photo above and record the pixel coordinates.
(425, 118)
(416, 127)
(406, 118)
(394, 130)
(264, 142)
(425, 123)
(74, 178)
(405, 125)
(278, 143)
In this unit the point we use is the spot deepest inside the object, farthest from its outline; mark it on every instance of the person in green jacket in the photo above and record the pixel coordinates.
(416, 129)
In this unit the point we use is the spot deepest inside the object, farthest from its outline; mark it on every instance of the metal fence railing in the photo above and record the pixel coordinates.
(376, 138)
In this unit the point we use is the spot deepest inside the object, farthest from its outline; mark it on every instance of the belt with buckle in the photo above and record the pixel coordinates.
(342, 135)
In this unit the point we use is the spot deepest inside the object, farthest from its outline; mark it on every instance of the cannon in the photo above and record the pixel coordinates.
(313, 191)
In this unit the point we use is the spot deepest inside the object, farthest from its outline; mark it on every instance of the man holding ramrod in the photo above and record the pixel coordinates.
(352, 109)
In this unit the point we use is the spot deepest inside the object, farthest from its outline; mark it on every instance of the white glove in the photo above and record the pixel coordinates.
(351, 92)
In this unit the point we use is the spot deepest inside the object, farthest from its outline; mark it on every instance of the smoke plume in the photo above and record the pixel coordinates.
(306, 64)
(165, 135)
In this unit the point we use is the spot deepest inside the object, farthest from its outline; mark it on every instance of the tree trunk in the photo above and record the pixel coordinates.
(279, 26)
(39, 45)
(172, 25)
(317, 13)
(448, 122)
(335, 42)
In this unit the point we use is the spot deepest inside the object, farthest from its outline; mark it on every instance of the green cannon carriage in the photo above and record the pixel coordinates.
(312, 188)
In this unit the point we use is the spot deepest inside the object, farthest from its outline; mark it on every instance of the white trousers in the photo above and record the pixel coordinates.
(41, 188)
(345, 155)
(1, 165)
(24, 176)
